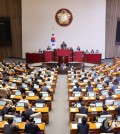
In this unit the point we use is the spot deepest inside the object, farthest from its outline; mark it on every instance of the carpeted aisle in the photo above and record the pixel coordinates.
(59, 116)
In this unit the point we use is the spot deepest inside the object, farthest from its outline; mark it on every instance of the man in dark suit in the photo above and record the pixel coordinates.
(44, 88)
(5, 109)
(40, 100)
(109, 97)
(83, 109)
(115, 86)
(27, 113)
(85, 77)
(89, 88)
(118, 109)
(104, 112)
(11, 127)
(83, 127)
(63, 45)
(31, 127)
(77, 89)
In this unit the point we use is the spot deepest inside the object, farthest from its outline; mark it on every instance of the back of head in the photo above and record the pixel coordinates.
(23, 96)
(80, 98)
(82, 103)
(110, 93)
(31, 119)
(40, 96)
(84, 120)
(97, 98)
(10, 120)
(104, 107)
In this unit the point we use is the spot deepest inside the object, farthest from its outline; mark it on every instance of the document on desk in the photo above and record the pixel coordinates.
(91, 97)
(33, 109)
(114, 96)
(71, 98)
(73, 109)
(84, 89)
(98, 125)
(74, 126)
(46, 98)
(93, 109)
(111, 107)
(12, 96)
(101, 97)
(86, 98)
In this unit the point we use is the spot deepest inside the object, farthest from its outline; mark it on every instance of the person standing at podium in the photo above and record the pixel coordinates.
(63, 45)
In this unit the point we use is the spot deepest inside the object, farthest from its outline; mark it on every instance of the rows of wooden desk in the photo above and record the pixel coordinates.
(92, 111)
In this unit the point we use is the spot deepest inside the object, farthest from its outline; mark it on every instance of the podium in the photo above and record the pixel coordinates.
(63, 59)
(78, 56)
(48, 56)
(34, 57)
(63, 52)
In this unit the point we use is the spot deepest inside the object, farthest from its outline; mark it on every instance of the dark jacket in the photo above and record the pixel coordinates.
(10, 129)
(83, 110)
(40, 101)
(104, 113)
(77, 89)
(118, 110)
(27, 114)
(83, 128)
(45, 89)
(4, 111)
(31, 128)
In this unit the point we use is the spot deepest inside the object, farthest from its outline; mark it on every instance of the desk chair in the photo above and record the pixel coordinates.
(77, 115)
(3, 91)
(109, 116)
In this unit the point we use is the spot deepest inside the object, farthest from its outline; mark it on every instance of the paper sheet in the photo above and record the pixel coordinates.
(114, 96)
(111, 108)
(93, 109)
(98, 125)
(86, 98)
(73, 110)
(74, 126)
(12, 96)
(91, 97)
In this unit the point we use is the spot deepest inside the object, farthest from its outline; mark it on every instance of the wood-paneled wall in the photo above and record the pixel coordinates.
(12, 9)
(112, 13)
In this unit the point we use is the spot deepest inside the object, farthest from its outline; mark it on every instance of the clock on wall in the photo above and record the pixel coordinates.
(63, 17)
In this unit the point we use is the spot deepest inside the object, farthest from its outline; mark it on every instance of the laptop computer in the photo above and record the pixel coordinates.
(78, 105)
(37, 120)
(118, 118)
(100, 85)
(77, 94)
(104, 93)
(79, 120)
(19, 79)
(1, 118)
(29, 80)
(39, 80)
(98, 104)
(110, 84)
(20, 104)
(36, 86)
(2, 103)
(117, 91)
(91, 94)
(106, 79)
(45, 95)
(74, 81)
(13, 84)
(86, 80)
(18, 119)
(101, 119)
(17, 93)
(116, 103)
(31, 94)
(24, 85)
(39, 105)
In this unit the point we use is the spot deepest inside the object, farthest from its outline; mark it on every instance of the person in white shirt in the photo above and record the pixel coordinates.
(24, 99)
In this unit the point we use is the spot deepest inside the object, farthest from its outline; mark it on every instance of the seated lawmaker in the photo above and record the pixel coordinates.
(83, 109)
(11, 127)
(77, 89)
(31, 127)
(109, 97)
(40, 100)
(104, 112)
(78, 48)
(83, 127)
(63, 45)
(89, 88)
(48, 48)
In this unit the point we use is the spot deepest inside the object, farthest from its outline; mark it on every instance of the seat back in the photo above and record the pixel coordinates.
(37, 115)
(7, 116)
(109, 116)
(3, 92)
(77, 116)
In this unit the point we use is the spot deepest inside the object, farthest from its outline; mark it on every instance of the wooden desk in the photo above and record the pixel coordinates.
(91, 111)
(94, 128)
(22, 126)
